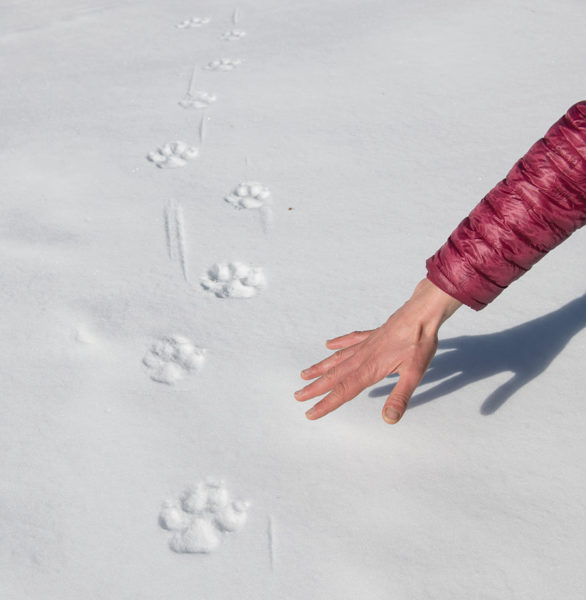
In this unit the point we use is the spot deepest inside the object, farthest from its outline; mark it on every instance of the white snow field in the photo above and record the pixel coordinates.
(152, 335)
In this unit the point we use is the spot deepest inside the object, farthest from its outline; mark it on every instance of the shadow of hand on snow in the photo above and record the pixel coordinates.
(525, 351)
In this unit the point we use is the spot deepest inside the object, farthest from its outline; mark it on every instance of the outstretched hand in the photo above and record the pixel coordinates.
(405, 344)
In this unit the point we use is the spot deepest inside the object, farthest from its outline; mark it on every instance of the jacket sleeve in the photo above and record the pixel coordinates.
(540, 203)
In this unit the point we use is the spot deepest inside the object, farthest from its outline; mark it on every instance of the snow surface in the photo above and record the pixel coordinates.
(376, 125)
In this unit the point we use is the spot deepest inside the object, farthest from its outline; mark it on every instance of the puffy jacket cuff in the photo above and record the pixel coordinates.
(435, 275)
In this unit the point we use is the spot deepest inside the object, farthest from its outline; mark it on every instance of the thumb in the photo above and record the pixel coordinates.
(397, 402)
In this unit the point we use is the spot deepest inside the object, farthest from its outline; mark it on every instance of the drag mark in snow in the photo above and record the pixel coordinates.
(266, 218)
(271, 542)
(180, 234)
(200, 517)
(168, 236)
(202, 131)
(235, 17)
(172, 358)
(175, 236)
(233, 280)
(191, 86)
(253, 195)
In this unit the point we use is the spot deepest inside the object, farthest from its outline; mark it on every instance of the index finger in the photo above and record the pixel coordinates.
(348, 339)
(327, 363)
(342, 392)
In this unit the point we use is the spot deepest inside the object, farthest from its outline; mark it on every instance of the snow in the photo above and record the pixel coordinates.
(376, 126)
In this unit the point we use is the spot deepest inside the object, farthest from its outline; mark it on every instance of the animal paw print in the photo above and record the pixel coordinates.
(233, 35)
(249, 194)
(234, 280)
(172, 358)
(194, 22)
(173, 155)
(223, 64)
(198, 99)
(201, 515)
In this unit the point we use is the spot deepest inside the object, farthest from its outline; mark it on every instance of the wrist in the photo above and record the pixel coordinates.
(434, 306)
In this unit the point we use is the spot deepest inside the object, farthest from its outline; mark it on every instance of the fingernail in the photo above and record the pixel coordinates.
(305, 372)
(298, 393)
(391, 415)
(309, 414)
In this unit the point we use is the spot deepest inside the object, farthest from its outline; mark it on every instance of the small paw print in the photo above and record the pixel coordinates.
(201, 515)
(233, 35)
(223, 64)
(173, 155)
(194, 22)
(172, 358)
(234, 280)
(198, 99)
(249, 194)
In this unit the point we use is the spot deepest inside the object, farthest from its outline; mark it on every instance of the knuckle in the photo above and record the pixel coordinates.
(331, 374)
(340, 390)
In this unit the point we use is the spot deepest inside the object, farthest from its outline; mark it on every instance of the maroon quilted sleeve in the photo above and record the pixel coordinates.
(540, 203)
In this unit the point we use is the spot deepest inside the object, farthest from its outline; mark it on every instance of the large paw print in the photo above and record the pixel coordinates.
(172, 358)
(197, 99)
(234, 280)
(249, 194)
(223, 64)
(201, 515)
(173, 155)
(193, 22)
(233, 35)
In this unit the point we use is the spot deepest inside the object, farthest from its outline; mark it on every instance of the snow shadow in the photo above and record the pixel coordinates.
(525, 351)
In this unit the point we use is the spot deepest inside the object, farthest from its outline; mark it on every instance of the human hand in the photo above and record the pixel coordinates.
(404, 344)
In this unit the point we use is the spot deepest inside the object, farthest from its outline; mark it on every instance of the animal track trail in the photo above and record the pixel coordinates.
(175, 236)
(200, 517)
(253, 195)
(234, 280)
(173, 155)
(193, 22)
(172, 358)
(223, 64)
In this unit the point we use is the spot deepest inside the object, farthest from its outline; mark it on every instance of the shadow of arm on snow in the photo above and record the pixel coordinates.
(525, 351)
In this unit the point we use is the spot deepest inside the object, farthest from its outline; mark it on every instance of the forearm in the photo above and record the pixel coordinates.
(540, 203)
